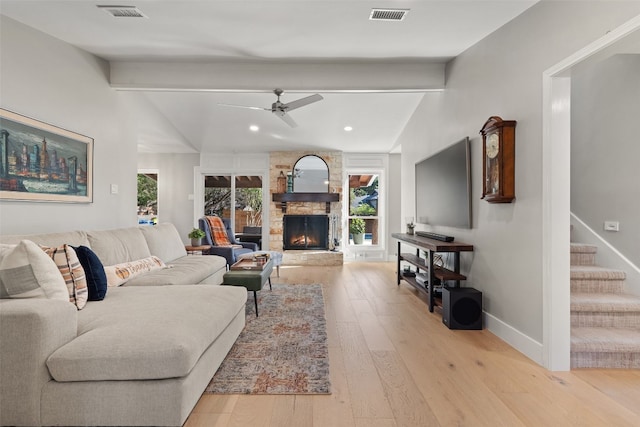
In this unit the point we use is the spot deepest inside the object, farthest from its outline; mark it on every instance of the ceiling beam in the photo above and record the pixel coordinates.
(264, 76)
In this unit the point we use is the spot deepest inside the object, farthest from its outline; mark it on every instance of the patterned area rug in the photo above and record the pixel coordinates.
(284, 351)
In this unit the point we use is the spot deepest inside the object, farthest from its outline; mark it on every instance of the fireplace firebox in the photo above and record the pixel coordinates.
(305, 232)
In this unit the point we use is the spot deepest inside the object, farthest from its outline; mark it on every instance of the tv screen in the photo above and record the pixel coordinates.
(443, 187)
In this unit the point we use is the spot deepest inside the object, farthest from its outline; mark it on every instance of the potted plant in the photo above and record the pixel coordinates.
(356, 228)
(196, 236)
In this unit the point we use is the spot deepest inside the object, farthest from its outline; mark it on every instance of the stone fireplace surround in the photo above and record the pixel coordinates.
(284, 161)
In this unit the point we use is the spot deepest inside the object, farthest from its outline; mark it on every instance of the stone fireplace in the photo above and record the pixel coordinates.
(284, 161)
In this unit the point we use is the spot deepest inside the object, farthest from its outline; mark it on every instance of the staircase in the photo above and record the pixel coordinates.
(605, 321)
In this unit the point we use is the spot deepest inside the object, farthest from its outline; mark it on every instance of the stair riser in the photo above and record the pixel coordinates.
(605, 360)
(625, 320)
(595, 286)
(579, 258)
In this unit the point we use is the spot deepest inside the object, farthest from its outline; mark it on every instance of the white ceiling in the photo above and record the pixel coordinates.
(321, 31)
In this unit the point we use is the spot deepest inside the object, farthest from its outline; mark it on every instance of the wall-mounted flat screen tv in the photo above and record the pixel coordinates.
(443, 187)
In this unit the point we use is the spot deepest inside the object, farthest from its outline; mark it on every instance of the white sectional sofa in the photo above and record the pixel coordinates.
(141, 356)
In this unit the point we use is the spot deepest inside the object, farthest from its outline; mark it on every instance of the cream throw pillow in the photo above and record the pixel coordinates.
(120, 273)
(27, 272)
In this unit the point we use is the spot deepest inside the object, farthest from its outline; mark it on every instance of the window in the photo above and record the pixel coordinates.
(244, 193)
(217, 195)
(364, 227)
(147, 198)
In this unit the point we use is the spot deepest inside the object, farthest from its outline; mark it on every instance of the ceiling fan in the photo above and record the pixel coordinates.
(281, 109)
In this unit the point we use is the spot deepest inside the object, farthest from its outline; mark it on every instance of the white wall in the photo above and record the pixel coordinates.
(49, 80)
(394, 202)
(175, 184)
(605, 179)
(502, 75)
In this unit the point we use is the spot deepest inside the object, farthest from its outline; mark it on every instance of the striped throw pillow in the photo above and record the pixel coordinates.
(72, 272)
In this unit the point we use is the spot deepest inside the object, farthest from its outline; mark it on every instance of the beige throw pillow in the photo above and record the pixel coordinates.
(27, 272)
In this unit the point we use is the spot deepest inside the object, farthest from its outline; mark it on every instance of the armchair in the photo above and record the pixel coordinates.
(229, 252)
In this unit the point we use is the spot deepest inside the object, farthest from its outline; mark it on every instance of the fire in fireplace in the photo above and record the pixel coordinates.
(305, 232)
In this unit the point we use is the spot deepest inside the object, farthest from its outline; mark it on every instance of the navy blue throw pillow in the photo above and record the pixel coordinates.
(94, 272)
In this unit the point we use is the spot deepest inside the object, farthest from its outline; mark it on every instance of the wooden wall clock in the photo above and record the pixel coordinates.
(498, 161)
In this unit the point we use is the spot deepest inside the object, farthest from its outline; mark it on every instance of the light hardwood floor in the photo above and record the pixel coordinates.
(394, 364)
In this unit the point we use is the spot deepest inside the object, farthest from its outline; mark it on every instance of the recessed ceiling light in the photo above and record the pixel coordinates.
(348, 128)
(254, 128)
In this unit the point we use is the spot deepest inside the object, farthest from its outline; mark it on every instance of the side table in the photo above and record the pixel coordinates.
(193, 250)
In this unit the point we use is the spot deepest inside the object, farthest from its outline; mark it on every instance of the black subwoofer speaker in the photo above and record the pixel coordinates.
(462, 308)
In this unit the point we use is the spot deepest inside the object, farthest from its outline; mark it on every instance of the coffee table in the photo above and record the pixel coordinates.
(250, 274)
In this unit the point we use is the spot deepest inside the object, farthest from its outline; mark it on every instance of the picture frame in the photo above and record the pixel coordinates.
(42, 162)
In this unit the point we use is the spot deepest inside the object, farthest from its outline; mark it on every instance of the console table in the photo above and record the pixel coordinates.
(430, 246)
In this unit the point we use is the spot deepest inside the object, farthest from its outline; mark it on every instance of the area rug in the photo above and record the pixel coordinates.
(284, 351)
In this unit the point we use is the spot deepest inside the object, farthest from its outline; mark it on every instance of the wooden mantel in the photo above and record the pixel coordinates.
(285, 198)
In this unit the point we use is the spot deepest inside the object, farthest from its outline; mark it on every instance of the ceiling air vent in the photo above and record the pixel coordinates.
(123, 11)
(388, 14)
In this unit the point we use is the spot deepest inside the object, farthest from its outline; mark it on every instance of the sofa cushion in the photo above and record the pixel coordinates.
(75, 238)
(119, 245)
(121, 273)
(141, 333)
(188, 270)
(164, 241)
(72, 272)
(94, 273)
(27, 272)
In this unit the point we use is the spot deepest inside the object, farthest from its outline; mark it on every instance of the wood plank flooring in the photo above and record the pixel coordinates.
(394, 364)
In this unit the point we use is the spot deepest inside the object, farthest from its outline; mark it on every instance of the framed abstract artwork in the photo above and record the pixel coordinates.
(42, 162)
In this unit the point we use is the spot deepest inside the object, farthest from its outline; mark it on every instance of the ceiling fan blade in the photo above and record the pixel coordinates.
(286, 118)
(244, 106)
(302, 102)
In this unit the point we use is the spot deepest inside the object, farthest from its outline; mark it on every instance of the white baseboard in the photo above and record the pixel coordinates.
(516, 339)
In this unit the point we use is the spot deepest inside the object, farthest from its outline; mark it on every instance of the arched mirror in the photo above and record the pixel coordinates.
(310, 175)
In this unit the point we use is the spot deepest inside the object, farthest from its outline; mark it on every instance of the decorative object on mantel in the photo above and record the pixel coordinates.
(284, 351)
(289, 182)
(310, 175)
(498, 160)
(42, 162)
(196, 236)
(410, 224)
(281, 186)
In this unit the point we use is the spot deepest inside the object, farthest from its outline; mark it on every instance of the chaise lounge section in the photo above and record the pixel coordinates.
(141, 356)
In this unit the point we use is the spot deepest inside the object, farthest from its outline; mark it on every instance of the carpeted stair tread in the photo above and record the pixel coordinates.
(605, 340)
(593, 272)
(605, 302)
(583, 248)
